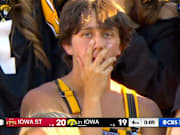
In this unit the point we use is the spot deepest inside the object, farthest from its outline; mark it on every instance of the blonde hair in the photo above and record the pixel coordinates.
(51, 130)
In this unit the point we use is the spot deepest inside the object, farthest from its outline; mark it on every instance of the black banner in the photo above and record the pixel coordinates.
(97, 122)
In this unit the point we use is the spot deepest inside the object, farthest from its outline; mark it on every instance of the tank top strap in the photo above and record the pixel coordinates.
(68, 95)
(130, 103)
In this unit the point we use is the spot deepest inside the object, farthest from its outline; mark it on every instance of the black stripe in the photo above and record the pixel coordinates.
(133, 129)
(63, 96)
(131, 105)
(128, 133)
(132, 111)
(113, 130)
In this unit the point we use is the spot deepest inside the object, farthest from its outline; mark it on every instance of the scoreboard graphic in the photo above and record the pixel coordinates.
(90, 122)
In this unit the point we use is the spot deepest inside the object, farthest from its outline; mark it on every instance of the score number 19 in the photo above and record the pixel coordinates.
(123, 122)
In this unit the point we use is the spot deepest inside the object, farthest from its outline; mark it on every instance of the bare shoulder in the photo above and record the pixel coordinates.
(39, 99)
(148, 108)
(177, 113)
(169, 10)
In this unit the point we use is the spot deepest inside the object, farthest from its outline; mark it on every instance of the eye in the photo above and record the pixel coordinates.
(107, 34)
(87, 34)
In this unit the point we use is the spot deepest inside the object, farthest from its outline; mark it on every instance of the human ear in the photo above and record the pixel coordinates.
(68, 49)
(119, 52)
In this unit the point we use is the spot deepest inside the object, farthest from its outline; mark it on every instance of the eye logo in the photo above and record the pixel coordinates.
(72, 122)
(164, 122)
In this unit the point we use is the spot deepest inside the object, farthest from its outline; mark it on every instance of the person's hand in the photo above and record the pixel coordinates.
(95, 72)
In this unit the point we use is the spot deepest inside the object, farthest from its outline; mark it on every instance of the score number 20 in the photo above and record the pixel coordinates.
(60, 122)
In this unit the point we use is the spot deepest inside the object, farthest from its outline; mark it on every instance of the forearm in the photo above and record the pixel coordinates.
(91, 108)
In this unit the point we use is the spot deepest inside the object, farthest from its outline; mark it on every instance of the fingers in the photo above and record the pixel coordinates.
(88, 56)
(108, 62)
(89, 53)
(101, 63)
(100, 58)
(108, 70)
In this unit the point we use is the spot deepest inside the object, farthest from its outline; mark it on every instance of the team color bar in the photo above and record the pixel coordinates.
(90, 122)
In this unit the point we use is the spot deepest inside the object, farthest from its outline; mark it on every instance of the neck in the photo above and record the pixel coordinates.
(74, 82)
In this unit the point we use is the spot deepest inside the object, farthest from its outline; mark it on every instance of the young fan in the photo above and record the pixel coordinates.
(93, 34)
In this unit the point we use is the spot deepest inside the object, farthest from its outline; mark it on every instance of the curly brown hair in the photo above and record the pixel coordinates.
(76, 11)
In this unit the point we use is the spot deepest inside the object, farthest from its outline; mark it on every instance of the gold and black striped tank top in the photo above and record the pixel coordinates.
(130, 103)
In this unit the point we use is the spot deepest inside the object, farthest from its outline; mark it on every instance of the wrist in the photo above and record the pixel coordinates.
(93, 94)
(91, 107)
(92, 98)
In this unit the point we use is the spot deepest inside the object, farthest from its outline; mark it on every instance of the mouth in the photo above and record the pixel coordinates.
(95, 54)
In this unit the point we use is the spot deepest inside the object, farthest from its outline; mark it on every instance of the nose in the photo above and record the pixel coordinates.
(99, 42)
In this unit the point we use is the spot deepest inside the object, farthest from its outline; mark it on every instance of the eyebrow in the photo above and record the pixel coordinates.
(89, 28)
(98, 27)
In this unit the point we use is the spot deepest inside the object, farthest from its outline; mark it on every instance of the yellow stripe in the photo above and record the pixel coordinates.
(125, 102)
(63, 86)
(51, 16)
(73, 104)
(120, 131)
(69, 97)
(136, 103)
(168, 131)
(106, 129)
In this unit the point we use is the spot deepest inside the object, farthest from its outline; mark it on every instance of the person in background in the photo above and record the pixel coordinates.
(29, 52)
(49, 130)
(93, 34)
(152, 67)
